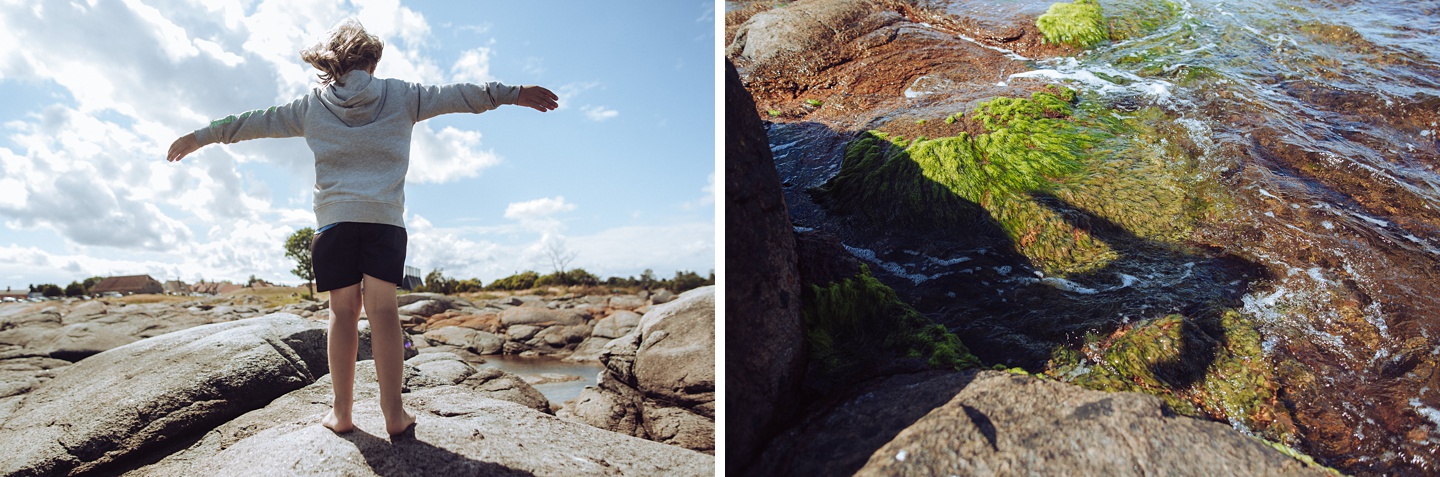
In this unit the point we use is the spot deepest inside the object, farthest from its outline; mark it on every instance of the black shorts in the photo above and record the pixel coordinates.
(341, 254)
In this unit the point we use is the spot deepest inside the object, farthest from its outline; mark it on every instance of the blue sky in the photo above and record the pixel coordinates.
(92, 93)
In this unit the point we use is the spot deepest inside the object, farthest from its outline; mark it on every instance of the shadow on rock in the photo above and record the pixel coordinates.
(406, 455)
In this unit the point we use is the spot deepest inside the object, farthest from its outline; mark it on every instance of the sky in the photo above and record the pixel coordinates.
(92, 93)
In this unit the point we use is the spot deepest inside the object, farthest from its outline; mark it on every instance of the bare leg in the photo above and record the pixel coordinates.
(343, 343)
(389, 351)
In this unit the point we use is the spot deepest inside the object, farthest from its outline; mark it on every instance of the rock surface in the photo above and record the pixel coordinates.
(145, 394)
(674, 342)
(459, 431)
(1002, 423)
(764, 351)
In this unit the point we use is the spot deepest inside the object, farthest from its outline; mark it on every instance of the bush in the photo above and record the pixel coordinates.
(519, 281)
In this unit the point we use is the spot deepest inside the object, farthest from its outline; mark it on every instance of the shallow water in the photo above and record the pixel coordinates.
(559, 392)
(1317, 125)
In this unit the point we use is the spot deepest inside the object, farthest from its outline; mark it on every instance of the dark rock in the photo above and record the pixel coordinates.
(765, 346)
(146, 394)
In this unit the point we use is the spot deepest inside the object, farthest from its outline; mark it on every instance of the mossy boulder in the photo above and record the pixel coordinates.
(859, 322)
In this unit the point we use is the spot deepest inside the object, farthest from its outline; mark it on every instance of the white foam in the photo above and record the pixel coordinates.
(1069, 69)
(1372, 220)
(892, 267)
(1068, 286)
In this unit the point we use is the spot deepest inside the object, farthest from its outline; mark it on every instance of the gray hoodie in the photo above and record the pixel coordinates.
(360, 134)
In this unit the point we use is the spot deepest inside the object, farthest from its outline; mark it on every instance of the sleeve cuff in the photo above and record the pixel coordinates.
(203, 136)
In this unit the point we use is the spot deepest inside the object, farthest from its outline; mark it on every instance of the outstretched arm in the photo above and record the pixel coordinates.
(433, 101)
(182, 147)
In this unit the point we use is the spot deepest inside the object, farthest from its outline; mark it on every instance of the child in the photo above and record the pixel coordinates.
(359, 128)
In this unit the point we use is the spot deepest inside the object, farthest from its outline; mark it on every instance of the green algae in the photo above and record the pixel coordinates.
(1137, 18)
(1040, 157)
(860, 321)
(1200, 366)
(1078, 23)
(814, 102)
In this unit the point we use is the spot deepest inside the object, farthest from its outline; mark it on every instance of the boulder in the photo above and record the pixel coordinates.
(451, 335)
(85, 312)
(78, 341)
(676, 358)
(659, 380)
(525, 315)
(626, 302)
(597, 300)
(495, 383)
(424, 308)
(588, 350)
(449, 301)
(764, 349)
(446, 368)
(483, 342)
(662, 296)
(458, 432)
(617, 324)
(153, 392)
(1002, 422)
(560, 336)
(522, 332)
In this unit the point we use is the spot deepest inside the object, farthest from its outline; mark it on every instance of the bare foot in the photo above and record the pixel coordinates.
(340, 426)
(397, 428)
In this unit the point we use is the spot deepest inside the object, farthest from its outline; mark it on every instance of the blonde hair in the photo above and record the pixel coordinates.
(348, 48)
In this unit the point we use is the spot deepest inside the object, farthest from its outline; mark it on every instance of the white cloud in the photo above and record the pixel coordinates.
(446, 156)
(599, 113)
(472, 67)
(707, 197)
(538, 208)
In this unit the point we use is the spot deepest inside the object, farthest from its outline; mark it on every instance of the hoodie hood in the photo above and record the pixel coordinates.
(358, 102)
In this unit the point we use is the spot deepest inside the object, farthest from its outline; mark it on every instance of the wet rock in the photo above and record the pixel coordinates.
(764, 346)
(617, 324)
(1002, 421)
(145, 394)
(540, 316)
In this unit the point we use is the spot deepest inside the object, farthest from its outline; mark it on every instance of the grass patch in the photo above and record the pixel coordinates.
(859, 322)
(148, 299)
(275, 296)
(1078, 23)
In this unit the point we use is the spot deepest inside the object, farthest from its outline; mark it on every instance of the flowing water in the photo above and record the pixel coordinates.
(557, 392)
(1315, 126)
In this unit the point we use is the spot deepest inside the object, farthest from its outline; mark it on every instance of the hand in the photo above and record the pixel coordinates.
(182, 147)
(538, 98)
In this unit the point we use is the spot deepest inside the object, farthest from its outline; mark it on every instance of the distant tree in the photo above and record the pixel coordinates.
(686, 280)
(297, 247)
(519, 281)
(647, 279)
(468, 285)
(251, 283)
(436, 282)
(50, 290)
(91, 282)
(75, 289)
(560, 257)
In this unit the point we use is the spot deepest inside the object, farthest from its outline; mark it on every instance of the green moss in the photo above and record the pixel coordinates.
(860, 321)
(1079, 23)
(950, 119)
(1214, 367)
(1300, 456)
(773, 113)
(814, 102)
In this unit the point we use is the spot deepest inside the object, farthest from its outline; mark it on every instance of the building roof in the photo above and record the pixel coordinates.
(128, 284)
